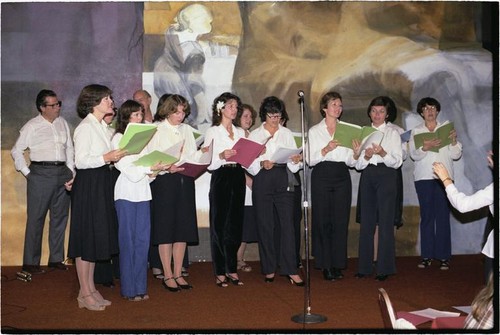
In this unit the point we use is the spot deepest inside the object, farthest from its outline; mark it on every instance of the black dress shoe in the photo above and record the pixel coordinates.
(337, 273)
(170, 288)
(359, 275)
(327, 274)
(33, 269)
(269, 279)
(381, 277)
(58, 266)
(183, 286)
(296, 283)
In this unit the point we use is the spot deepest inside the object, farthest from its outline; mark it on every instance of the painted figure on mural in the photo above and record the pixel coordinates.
(179, 69)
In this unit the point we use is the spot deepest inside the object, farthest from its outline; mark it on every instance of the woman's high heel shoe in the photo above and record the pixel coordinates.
(233, 280)
(182, 286)
(171, 289)
(97, 296)
(82, 303)
(296, 283)
(221, 282)
(269, 279)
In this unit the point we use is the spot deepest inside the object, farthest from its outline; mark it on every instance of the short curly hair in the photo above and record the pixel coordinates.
(91, 96)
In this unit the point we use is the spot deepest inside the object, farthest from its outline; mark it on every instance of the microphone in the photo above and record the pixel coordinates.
(300, 93)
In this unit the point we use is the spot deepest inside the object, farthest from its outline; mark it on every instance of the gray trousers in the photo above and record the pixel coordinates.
(46, 192)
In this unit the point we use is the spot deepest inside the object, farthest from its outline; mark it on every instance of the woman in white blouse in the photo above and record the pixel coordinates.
(273, 193)
(93, 233)
(227, 189)
(435, 230)
(132, 203)
(378, 192)
(331, 190)
(173, 207)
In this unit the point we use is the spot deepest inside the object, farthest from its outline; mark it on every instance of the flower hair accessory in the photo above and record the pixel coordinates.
(220, 105)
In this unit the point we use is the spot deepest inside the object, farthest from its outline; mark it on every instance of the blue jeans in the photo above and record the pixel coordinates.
(134, 224)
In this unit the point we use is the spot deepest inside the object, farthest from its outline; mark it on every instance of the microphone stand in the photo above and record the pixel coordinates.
(306, 316)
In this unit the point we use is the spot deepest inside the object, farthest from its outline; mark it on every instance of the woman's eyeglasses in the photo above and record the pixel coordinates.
(274, 116)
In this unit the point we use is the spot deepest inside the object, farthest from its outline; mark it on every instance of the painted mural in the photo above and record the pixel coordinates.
(406, 50)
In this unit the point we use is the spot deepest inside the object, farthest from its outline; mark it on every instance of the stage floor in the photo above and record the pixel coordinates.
(48, 303)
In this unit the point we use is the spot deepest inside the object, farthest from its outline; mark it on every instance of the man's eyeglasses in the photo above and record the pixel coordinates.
(58, 104)
(274, 116)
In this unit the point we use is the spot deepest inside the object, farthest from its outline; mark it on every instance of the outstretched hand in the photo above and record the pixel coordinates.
(440, 171)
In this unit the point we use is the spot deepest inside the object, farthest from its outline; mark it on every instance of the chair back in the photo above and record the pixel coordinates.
(388, 314)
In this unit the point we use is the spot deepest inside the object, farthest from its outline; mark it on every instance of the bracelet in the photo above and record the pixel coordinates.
(447, 178)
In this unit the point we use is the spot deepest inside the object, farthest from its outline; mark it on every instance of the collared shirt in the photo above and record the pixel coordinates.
(46, 141)
(167, 135)
(282, 138)
(391, 142)
(424, 159)
(92, 141)
(133, 182)
(318, 139)
(222, 141)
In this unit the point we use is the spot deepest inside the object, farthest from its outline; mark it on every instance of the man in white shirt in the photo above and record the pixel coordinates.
(49, 176)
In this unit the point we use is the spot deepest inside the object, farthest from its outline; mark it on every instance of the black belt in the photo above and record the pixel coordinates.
(49, 163)
(279, 165)
(231, 165)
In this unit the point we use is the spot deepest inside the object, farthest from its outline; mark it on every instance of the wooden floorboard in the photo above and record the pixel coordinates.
(48, 303)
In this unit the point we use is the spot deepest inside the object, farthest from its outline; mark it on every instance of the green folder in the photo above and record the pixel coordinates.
(346, 132)
(136, 137)
(156, 157)
(298, 139)
(443, 133)
(169, 156)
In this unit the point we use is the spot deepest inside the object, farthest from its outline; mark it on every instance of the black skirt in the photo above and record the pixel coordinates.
(93, 234)
(173, 210)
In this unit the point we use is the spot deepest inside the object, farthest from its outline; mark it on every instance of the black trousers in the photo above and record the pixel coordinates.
(331, 193)
(227, 204)
(378, 191)
(274, 207)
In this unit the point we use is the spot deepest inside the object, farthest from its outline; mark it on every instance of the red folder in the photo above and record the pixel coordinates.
(246, 151)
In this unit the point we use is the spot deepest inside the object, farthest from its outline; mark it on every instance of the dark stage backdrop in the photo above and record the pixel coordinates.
(63, 47)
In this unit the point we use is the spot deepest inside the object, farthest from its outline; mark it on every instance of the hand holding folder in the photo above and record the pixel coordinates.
(246, 151)
(282, 155)
(169, 156)
(195, 168)
(345, 133)
(441, 133)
